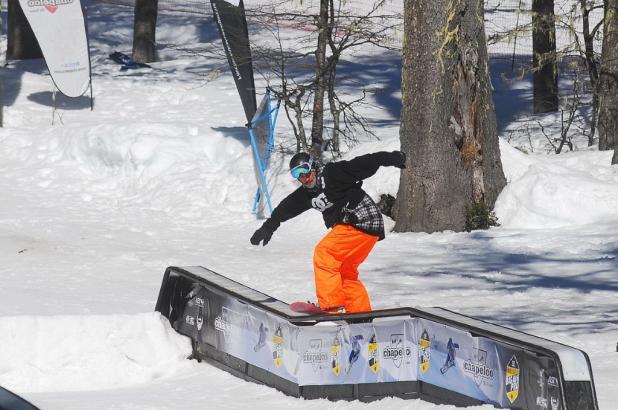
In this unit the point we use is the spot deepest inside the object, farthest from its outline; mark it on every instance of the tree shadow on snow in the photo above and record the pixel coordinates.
(512, 89)
(480, 264)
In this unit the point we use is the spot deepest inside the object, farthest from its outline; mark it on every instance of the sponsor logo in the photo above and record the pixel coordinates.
(373, 354)
(424, 352)
(321, 203)
(315, 355)
(541, 402)
(224, 322)
(278, 347)
(200, 313)
(553, 381)
(222, 326)
(335, 356)
(555, 403)
(226, 43)
(199, 308)
(396, 351)
(512, 379)
(478, 368)
(50, 5)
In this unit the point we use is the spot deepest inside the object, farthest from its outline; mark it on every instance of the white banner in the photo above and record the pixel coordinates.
(60, 29)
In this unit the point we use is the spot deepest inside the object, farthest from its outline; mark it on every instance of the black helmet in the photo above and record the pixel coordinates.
(302, 164)
(300, 158)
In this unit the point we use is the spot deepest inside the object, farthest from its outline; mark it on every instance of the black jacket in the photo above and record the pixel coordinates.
(338, 190)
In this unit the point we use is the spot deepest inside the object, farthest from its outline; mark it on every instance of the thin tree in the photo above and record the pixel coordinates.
(317, 123)
(448, 126)
(608, 82)
(545, 68)
(144, 30)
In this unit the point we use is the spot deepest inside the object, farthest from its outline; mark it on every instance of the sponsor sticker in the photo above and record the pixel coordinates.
(373, 354)
(424, 352)
(335, 356)
(512, 379)
(278, 347)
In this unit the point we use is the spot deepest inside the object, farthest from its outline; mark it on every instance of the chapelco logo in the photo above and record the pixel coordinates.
(396, 351)
(222, 326)
(482, 373)
(50, 5)
(315, 355)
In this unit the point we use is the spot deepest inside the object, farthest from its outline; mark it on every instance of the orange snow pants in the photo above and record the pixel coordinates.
(335, 264)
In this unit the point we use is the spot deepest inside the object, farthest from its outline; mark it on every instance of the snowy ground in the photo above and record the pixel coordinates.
(94, 208)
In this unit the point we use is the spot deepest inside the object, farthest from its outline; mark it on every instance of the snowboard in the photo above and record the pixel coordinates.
(306, 307)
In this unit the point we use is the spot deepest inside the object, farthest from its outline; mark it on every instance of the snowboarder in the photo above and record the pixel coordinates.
(335, 190)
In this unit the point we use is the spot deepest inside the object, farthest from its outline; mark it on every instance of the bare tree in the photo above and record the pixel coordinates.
(316, 99)
(324, 31)
(144, 30)
(448, 126)
(608, 82)
(574, 57)
(591, 58)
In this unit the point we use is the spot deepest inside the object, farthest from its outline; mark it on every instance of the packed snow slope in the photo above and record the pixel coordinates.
(97, 205)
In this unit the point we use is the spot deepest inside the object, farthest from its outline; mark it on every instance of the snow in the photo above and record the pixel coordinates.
(96, 206)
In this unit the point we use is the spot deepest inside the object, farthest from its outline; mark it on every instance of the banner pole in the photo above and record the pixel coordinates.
(263, 183)
(53, 105)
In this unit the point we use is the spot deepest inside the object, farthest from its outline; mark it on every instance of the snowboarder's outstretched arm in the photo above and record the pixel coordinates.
(364, 166)
(293, 205)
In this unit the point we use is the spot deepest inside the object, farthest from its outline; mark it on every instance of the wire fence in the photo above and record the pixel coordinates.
(508, 23)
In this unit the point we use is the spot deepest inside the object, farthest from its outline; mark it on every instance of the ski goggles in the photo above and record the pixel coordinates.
(302, 169)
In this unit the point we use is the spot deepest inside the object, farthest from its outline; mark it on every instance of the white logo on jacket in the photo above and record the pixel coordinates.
(321, 203)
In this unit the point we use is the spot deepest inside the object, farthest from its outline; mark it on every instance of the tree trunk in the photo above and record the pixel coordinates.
(21, 42)
(608, 82)
(144, 29)
(317, 124)
(591, 66)
(448, 126)
(545, 76)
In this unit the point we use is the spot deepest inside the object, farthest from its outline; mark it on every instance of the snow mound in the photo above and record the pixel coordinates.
(576, 188)
(78, 353)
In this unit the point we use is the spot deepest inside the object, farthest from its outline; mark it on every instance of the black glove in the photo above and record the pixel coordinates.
(398, 159)
(263, 234)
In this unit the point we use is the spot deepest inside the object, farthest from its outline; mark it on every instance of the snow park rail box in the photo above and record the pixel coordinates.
(429, 353)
